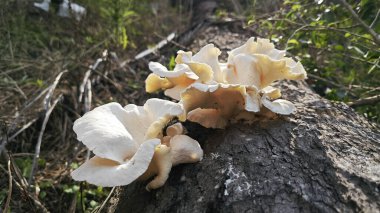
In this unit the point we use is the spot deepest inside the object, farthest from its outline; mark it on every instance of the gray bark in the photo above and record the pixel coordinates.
(324, 158)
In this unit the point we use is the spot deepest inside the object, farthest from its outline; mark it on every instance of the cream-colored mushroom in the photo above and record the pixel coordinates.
(213, 105)
(128, 143)
(109, 172)
(258, 63)
(175, 129)
(278, 106)
(185, 150)
(122, 139)
(272, 92)
(205, 63)
(173, 82)
(178, 149)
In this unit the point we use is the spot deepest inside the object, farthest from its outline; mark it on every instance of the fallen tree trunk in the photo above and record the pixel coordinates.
(324, 158)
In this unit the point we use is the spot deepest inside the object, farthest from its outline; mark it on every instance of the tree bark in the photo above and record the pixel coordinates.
(324, 158)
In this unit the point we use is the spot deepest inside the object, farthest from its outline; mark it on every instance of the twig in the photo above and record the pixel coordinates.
(117, 87)
(51, 90)
(312, 28)
(5, 139)
(171, 41)
(95, 46)
(104, 202)
(83, 84)
(365, 101)
(375, 19)
(158, 46)
(16, 120)
(39, 141)
(371, 90)
(10, 186)
(329, 82)
(9, 36)
(22, 187)
(87, 107)
(291, 36)
(22, 154)
(6, 72)
(22, 129)
(81, 196)
(17, 173)
(355, 16)
(338, 30)
(87, 76)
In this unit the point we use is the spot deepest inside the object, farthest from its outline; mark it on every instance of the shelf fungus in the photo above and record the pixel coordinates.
(129, 143)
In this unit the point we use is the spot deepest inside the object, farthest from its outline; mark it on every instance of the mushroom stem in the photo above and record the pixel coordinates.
(161, 165)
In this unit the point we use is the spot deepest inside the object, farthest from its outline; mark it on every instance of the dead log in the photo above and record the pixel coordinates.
(324, 158)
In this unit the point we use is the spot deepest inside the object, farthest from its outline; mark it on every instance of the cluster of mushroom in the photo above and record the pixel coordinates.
(214, 93)
(135, 142)
(130, 143)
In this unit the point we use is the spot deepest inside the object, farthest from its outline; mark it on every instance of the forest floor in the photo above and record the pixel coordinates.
(47, 82)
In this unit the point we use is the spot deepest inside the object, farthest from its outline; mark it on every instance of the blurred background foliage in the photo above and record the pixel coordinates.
(340, 56)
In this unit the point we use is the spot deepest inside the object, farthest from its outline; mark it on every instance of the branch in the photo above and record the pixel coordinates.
(9, 187)
(365, 101)
(39, 141)
(375, 19)
(355, 16)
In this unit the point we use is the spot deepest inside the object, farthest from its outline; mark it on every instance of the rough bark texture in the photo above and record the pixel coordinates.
(324, 158)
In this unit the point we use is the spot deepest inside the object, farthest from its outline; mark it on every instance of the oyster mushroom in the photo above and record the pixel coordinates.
(205, 63)
(173, 82)
(258, 63)
(213, 105)
(128, 141)
(175, 149)
(202, 67)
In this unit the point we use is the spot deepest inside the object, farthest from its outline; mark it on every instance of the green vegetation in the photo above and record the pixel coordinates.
(341, 56)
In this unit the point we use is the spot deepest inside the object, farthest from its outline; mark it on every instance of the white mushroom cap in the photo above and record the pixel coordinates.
(204, 64)
(185, 150)
(209, 55)
(271, 92)
(173, 82)
(103, 130)
(260, 64)
(175, 129)
(278, 106)
(154, 82)
(120, 137)
(209, 118)
(178, 70)
(109, 173)
(261, 46)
